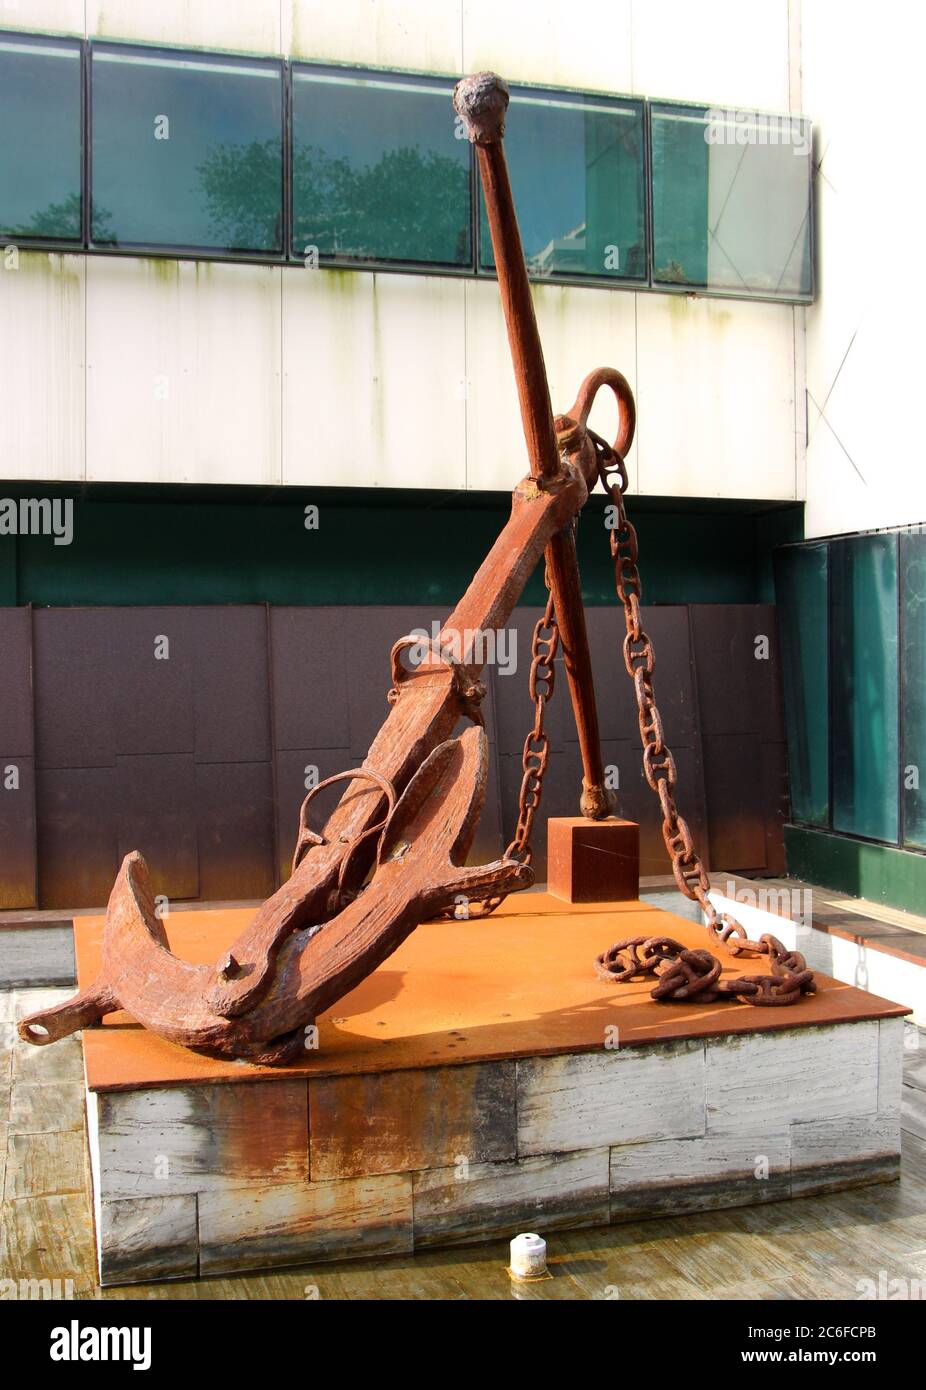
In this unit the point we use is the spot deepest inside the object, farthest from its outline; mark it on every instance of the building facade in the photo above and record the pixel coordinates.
(253, 354)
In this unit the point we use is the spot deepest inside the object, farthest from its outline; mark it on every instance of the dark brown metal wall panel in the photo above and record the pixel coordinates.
(234, 816)
(369, 634)
(17, 831)
(561, 787)
(74, 698)
(152, 697)
(157, 799)
(78, 836)
(17, 803)
(173, 757)
(311, 674)
(668, 629)
(617, 712)
(637, 801)
(738, 693)
(231, 688)
(514, 710)
(737, 813)
(775, 795)
(291, 791)
(741, 715)
(16, 681)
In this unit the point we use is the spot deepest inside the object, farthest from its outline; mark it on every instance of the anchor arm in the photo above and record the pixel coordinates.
(482, 101)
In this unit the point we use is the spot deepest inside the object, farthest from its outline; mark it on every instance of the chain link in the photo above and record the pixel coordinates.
(682, 975)
(658, 763)
(536, 752)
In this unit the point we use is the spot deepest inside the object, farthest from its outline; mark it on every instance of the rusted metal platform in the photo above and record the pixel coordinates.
(518, 984)
(481, 1081)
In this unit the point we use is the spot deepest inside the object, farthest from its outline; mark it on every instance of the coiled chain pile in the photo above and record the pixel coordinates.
(694, 975)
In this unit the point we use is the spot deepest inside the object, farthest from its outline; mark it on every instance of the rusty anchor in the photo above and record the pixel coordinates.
(392, 853)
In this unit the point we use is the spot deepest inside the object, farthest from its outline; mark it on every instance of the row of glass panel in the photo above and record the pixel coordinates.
(852, 615)
(188, 151)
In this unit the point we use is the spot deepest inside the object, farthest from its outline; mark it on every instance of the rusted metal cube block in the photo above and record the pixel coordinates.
(593, 861)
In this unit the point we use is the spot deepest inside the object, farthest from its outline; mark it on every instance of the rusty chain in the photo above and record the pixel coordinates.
(658, 763)
(536, 752)
(684, 975)
(694, 970)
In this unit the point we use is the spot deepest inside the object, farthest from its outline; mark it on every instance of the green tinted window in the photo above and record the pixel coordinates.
(913, 675)
(800, 591)
(379, 173)
(187, 150)
(863, 576)
(576, 165)
(40, 154)
(731, 201)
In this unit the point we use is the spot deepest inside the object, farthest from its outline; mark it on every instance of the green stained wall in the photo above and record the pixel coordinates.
(150, 545)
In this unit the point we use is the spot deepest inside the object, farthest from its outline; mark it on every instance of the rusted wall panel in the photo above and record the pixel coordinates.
(739, 684)
(234, 818)
(369, 634)
(77, 835)
(17, 831)
(514, 710)
(149, 658)
(157, 805)
(74, 704)
(736, 810)
(231, 693)
(131, 728)
(16, 681)
(310, 673)
(17, 764)
(738, 668)
(291, 791)
(617, 711)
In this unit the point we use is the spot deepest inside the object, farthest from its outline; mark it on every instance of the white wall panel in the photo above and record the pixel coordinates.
(864, 459)
(722, 51)
(229, 373)
(715, 396)
(584, 43)
(183, 372)
(416, 34)
(580, 329)
(41, 366)
(64, 16)
(865, 464)
(374, 373)
(252, 26)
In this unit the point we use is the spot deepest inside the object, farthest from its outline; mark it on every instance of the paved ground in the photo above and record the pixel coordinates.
(839, 1247)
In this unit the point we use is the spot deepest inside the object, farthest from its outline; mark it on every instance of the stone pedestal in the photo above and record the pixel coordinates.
(481, 1082)
(593, 861)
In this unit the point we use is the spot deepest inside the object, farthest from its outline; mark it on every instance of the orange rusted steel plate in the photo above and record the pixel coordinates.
(519, 984)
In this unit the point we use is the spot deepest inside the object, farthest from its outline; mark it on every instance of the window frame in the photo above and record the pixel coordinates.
(77, 244)
(374, 264)
(473, 270)
(608, 282)
(895, 534)
(653, 105)
(180, 250)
